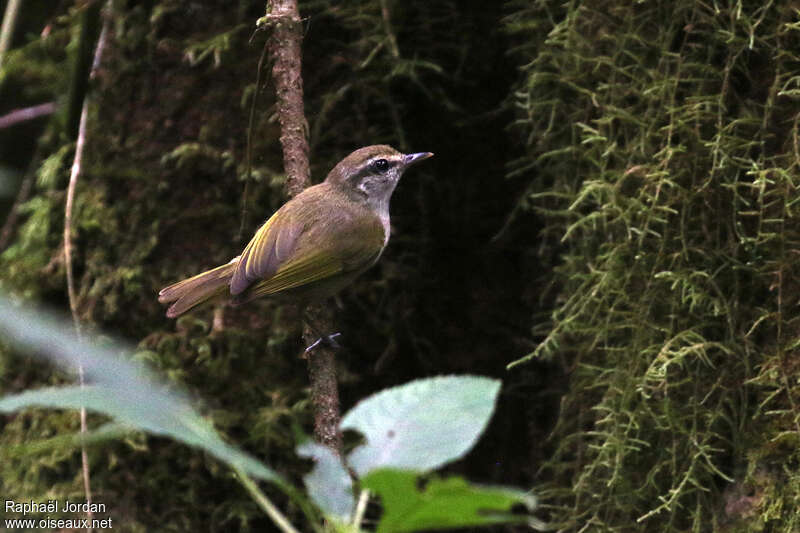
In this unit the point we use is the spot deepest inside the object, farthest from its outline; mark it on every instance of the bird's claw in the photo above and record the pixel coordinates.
(329, 340)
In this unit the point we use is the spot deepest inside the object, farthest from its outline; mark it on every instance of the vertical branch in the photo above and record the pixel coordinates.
(284, 50)
(322, 376)
(75, 173)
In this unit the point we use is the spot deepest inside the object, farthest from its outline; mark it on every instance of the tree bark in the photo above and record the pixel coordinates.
(286, 58)
(285, 53)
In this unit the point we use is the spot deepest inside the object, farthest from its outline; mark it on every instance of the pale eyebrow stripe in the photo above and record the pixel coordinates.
(393, 160)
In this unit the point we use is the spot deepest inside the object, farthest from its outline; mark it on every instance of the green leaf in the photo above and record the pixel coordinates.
(421, 425)
(328, 484)
(119, 388)
(443, 503)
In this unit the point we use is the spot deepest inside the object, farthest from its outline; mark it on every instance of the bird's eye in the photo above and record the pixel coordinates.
(381, 165)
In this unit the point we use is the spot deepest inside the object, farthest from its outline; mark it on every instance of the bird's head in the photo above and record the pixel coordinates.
(372, 172)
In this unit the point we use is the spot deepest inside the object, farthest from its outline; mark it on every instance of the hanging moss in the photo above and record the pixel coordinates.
(662, 154)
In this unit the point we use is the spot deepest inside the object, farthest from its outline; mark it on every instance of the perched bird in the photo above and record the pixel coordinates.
(315, 244)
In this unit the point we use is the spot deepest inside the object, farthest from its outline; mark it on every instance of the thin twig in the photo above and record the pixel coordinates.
(73, 299)
(75, 173)
(249, 151)
(26, 113)
(7, 31)
(284, 44)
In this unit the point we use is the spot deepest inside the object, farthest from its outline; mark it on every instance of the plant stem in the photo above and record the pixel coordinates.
(264, 503)
(361, 508)
(249, 151)
(75, 173)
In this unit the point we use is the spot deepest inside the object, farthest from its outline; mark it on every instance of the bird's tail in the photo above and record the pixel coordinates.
(196, 290)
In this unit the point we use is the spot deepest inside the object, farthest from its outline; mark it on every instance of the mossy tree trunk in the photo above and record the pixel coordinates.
(662, 144)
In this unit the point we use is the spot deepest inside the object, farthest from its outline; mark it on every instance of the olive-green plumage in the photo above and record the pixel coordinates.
(315, 244)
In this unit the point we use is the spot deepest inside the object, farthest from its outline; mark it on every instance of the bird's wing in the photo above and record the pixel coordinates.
(347, 251)
(270, 247)
(296, 246)
(347, 247)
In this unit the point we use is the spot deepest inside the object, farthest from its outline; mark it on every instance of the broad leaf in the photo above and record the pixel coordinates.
(421, 425)
(118, 388)
(443, 503)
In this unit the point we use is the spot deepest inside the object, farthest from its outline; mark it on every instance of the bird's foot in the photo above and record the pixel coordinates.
(328, 340)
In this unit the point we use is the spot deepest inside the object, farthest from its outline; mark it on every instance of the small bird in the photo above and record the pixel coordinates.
(315, 244)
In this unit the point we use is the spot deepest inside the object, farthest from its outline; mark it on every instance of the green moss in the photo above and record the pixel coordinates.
(214, 47)
(659, 153)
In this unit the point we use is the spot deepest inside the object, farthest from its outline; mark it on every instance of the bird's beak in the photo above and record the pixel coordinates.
(410, 159)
